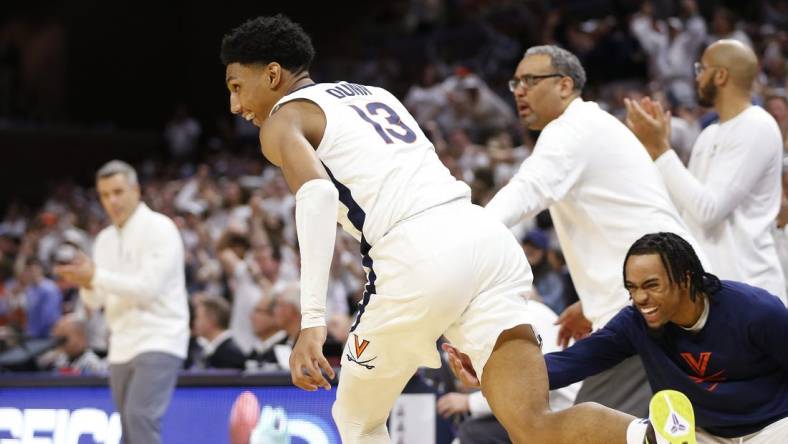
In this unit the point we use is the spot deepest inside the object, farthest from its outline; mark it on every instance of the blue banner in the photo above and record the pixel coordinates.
(86, 415)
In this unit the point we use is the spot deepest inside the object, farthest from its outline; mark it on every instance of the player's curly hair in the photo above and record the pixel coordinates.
(269, 39)
(680, 262)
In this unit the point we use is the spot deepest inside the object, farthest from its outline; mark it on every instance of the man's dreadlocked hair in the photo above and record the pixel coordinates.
(679, 260)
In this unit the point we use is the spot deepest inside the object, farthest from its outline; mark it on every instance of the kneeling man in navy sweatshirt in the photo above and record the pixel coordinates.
(721, 343)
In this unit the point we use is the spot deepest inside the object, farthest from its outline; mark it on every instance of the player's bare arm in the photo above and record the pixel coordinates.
(288, 140)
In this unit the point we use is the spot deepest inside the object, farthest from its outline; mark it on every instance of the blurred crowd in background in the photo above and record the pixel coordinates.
(449, 62)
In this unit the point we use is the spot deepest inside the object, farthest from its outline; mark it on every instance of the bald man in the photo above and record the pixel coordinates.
(729, 194)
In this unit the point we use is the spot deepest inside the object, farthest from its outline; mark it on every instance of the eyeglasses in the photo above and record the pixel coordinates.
(529, 80)
(699, 68)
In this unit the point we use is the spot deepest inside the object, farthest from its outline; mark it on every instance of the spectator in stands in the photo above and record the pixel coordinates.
(474, 107)
(73, 356)
(426, 99)
(269, 262)
(601, 197)
(137, 275)
(43, 299)
(777, 106)
(729, 194)
(244, 287)
(723, 26)
(672, 46)
(267, 335)
(182, 133)
(211, 320)
(547, 282)
(287, 311)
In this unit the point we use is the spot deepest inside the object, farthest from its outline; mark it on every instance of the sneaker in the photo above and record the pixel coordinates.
(671, 416)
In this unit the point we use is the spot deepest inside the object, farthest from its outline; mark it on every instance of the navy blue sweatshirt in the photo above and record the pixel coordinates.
(734, 370)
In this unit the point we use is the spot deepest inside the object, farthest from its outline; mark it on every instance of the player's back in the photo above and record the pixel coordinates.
(385, 168)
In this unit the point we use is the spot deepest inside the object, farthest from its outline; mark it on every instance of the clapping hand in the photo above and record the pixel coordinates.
(650, 124)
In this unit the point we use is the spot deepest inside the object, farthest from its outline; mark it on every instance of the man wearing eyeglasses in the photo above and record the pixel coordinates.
(602, 195)
(729, 194)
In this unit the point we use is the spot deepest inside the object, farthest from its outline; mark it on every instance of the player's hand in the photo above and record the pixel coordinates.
(461, 365)
(271, 428)
(453, 404)
(650, 124)
(307, 360)
(573, 325)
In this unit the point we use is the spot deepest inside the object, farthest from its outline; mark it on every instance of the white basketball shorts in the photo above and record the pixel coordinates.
(451, 270)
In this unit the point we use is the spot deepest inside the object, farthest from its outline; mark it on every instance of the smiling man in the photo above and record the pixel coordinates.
(719, 342)
(436, 264)
(722, 343)
(602, 196)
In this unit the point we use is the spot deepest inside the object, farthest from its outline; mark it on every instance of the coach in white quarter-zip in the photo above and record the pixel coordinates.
(729, 194)
(137, 275)
(603, 193)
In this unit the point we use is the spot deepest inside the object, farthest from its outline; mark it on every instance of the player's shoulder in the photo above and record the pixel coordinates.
(747, 301)
(300, 116)
(296, 113)
(291, 112)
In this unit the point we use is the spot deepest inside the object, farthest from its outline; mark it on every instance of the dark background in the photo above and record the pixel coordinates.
(88, 80)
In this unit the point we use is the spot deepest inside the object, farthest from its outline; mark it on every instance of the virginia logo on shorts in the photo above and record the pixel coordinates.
(360, 347)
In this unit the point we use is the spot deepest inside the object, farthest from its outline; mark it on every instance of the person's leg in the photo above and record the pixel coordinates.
(419, 282)
(775, 433)
(149, 393)
(119, 377)
(623, 387)
(514, 381)
(363, 406)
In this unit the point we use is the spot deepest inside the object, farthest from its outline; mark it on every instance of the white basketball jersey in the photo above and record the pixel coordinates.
(384, 167)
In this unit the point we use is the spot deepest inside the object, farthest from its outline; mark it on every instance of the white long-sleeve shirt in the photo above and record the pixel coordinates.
(603, 191)
(730, 196)
(544, 323)
(139, 279)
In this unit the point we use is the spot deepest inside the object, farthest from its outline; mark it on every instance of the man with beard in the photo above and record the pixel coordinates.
(603, 193)
(719, 342)
(729, 194)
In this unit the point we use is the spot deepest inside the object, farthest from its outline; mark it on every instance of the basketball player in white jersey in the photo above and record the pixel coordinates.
(436, 264)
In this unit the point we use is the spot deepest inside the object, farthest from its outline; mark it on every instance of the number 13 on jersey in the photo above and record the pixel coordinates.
(394, 128)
